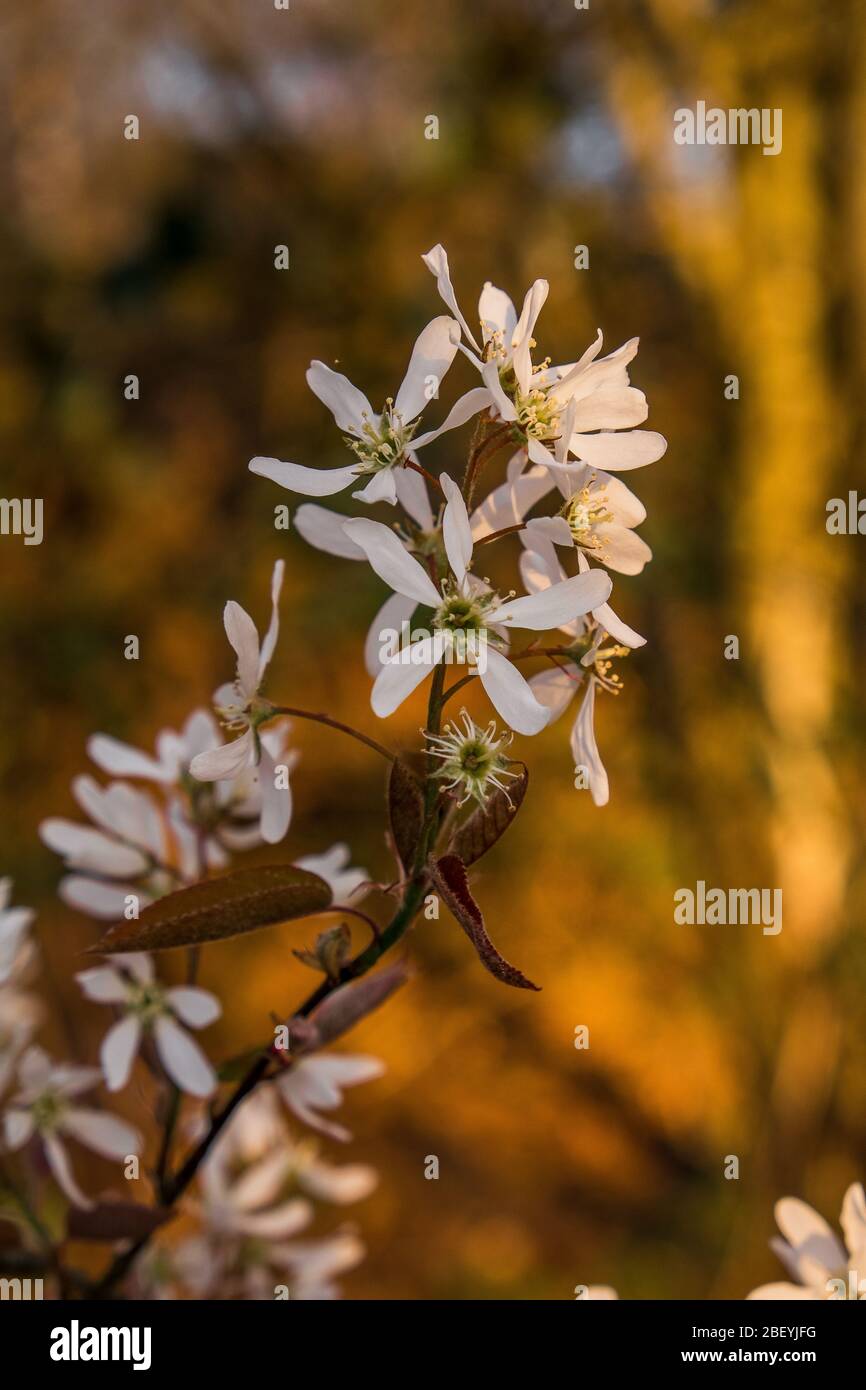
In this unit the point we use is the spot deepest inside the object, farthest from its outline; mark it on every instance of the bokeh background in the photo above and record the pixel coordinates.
(306, 128)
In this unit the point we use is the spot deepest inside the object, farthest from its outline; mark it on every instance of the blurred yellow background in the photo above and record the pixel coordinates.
(306, 127)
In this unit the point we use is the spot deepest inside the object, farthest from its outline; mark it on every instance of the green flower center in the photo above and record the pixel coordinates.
(383, 445)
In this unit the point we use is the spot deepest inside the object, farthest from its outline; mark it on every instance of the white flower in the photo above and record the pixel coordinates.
(333, 866)
(45, 1107)
(468, 618)
(536, 398)
(249, 1205)
(597, 1293)
(20, 1015)
(240, 706)
(130, 985)
(471, 759)
(14, 924)
(586, 667)
(505, 506)
(383, 444)
(813, 1254)
(229, 812)
(125, 853)
(316, 1083)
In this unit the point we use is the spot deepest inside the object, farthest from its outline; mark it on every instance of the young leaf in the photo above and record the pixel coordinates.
(449, 879)
(350, 1003)
(405, 812)
(220, 907)
(480, 831)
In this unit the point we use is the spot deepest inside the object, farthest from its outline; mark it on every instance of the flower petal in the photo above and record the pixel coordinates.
(120, 760)
(118, 1050)
(195, 1007)
(223, 762)
(244, 638)
(431, 357)
(521, 339)
(399, 677)
(455, 529)
(557, 605)
(347, 404)
(497, 314)
(436, 260)
(510, 694)
(584, 748)
(103, 1133)
(58, 1162)
(412, 496)
(395, 611)
(310, 482)
(103, 984)
(276, 813)
(555, 688)
(463, 409)
(183, 1059)
(324, 531)
(103, 900)
(618, 453)
(391, 561)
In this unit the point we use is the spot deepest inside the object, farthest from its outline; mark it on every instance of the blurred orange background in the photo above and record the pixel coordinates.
(305, 127)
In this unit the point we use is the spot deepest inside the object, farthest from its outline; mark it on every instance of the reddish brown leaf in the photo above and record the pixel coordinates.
(405, 812)
(480, 831)
(449, 878)
(110, 1221)
(221, 907)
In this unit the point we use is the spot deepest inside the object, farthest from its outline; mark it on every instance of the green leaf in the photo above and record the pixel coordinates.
(480, 831)
(221, 907)
(405, 812)
(449, 878)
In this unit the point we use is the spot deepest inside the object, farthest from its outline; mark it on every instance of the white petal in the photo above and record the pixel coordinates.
(58, 1162)
(244, 638)
(412, 496)
(85, 848)
(508, 504)
(497, 314)
(380, 488)
(557, 605)
(395, 611)
(463, 409)
(392, 562)
(310, 482)
(118, 1050)
(104, 985)
(195, 1007)
(224, 762)
(431, 357)
(347, 404)
(809, 1233)
(104, 900)
(120, 760)
(324, 531)
(455, 528)
(781, 1291)
(555, 688)
(399, 677)
(284, 1220)
(276, 814)
(522, 336)
(584, 748)
(618, 453)
(436, 260)
(273, 632)
(617, 629)
(511, 696)
(183, 1059)
(18, 1126)
(103, 1133)
(504, 404)
(620, 548)
(853, 1220)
